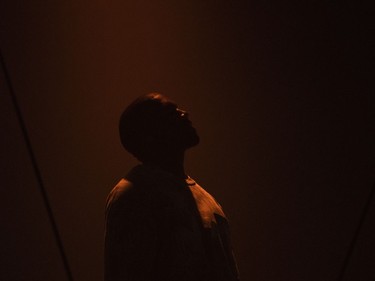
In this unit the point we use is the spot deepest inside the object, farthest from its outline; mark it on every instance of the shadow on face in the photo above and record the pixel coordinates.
(153, 123)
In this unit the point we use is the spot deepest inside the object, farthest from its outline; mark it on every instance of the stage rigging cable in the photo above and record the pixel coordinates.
(36, 169)
(356, 235)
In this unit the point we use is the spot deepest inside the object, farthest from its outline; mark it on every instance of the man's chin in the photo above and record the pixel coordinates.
(193, 141)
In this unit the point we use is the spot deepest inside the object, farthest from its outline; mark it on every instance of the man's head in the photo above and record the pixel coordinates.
(153, 125)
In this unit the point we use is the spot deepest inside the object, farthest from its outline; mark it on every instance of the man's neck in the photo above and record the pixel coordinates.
(172, 163)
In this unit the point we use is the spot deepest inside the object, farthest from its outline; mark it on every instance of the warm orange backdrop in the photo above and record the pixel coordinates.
(279, 94)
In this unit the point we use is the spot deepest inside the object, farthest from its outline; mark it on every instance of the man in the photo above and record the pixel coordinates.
(160, 224)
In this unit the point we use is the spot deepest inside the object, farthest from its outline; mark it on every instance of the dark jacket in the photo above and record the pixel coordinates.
(160, 227)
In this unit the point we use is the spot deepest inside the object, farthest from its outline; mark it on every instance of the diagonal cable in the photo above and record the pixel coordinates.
(36, 169)
(356, 234)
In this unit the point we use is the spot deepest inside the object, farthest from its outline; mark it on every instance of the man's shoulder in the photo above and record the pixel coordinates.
(129, 195)
(121, 190)
(125, 195)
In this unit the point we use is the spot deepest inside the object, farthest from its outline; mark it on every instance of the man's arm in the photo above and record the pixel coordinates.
(131, 240)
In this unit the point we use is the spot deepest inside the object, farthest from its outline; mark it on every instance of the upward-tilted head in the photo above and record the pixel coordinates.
(153, 125)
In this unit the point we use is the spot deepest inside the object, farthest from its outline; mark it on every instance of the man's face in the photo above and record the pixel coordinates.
(173, 125)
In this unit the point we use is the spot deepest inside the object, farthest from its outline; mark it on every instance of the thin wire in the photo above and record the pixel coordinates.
(36, 169)
(356, 234)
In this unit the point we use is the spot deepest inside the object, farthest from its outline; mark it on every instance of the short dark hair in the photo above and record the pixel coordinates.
(137, 128)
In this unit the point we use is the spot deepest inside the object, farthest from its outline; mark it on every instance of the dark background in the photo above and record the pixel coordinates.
(281, 94)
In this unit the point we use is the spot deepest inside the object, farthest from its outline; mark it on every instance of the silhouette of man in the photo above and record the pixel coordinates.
(160, 224)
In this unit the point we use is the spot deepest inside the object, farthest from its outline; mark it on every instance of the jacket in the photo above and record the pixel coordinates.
(160, 227)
